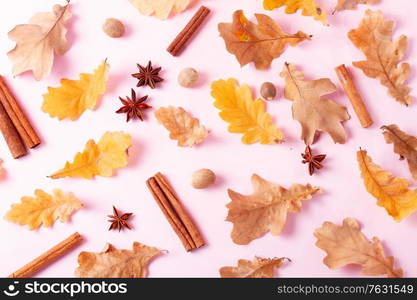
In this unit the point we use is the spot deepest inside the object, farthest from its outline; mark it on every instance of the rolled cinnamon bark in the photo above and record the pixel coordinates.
(10, 134)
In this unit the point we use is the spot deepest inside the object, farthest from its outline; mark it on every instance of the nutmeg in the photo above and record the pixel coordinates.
(268, 91)
(203, 178)
(188, 78)
(113, 28)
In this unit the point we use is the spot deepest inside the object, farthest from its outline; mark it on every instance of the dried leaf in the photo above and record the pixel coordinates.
(352, 4)
(258, 268)
(181, 125)
(313, 112)
(308, 8)
(73, 97)
(265, 210)
(383, 56)
(1, 169)
(243, 113)
(115, 263)
(260, 43)
(38, 41)
(98, 159)
(391, 192)
(404, 144)
(347, 245)
(160, 8)
(44, 209)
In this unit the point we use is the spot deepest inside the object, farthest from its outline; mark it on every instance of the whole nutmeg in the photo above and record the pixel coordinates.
(268, 91)
(203, 178)
(188, 77)
(113, 28)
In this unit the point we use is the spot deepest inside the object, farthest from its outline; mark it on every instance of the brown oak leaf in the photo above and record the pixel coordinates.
(115, 263)
(257, 268)
(259, 43)
(313, 112)
(347, 245)
(352, 4)
(265, 210)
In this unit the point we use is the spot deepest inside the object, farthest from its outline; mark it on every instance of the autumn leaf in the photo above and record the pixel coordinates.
(160, 8)
(257, 268)
(265, 210)
(73, 97)
(181, 125)
(383, 55)
(391, 192)
(1, 169)
(244, 114)
(308, 8)
(38, 41)
(352, 4)
(313, 112)
(98, 159)
(346, 245)
(115, 263)
(44, 209)
(260, 43)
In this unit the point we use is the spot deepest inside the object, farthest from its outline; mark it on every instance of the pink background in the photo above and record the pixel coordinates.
(146, 39)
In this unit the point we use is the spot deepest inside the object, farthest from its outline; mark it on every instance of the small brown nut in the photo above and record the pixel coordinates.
(203, 178)
(188, 77)
(268, 91)
(113, 28)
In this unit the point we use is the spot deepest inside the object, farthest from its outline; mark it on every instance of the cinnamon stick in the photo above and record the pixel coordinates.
(181, 40)
(19, 119)
(10, 134)
(48, 257)
(355, 98)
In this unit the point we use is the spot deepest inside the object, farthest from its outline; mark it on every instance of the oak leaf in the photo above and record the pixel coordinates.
(260, 43)
(98, 158)
(346, 245)
(383, 55)
(181, 125)
(352, 4)
(73, 97)
(38, 41)
(404, 144)
(265, 210)
(160, 8)
(1, 169)
(257, 268)
(115, 263)
(308, 8)
(391, 192)
(313, 112)
(44, 209)
(244, 114)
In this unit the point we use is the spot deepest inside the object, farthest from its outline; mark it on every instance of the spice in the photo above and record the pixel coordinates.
(268, 91)
(148, 75)
(113, 28)
(203, 178)
(314, 162)
(10, 134)
(179, 43)
(175, 213)
(133, 107)
(48, 257)
(119, 221)
(188, 77)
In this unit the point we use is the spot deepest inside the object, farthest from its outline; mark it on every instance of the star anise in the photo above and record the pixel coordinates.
(148, 75)
(313, 161)
(133, 107)
(119, 222)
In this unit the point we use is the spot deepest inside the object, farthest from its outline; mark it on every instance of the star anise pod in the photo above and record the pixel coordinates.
(313, 161)
(119, 222)
(148, 75)
(133, 107)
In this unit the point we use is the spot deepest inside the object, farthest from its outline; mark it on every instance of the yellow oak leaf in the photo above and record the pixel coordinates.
(115, 263)
(98, 159)
(265, 210)
(308, 8)
(259, 43)
(257, 268)
(160, 8)
(352, 4)
(383, 55)
(73, 97)
(313, 112)
(44, 209)
(391, 192)
(38, 41)
(347, 245)
(244, 114)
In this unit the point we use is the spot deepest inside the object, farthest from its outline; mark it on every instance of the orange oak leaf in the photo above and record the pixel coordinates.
(352, 4)
(307, 7)
(257, 268)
